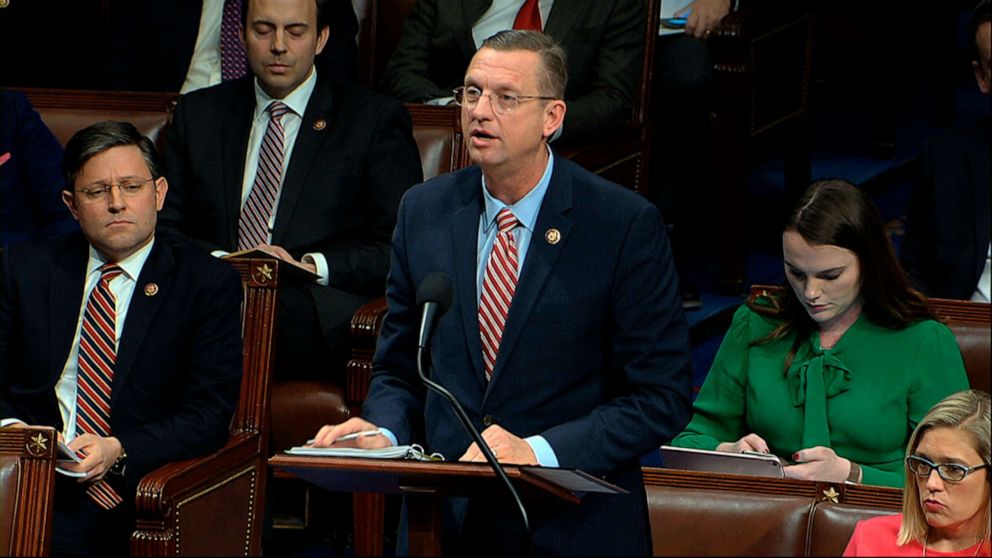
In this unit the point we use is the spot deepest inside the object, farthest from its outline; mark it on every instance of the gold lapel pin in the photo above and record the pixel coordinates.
(151, 289)
(4, 3)
(319, 124)
(552, 236)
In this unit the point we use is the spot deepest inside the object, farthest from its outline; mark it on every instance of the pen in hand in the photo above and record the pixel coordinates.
(352, 436)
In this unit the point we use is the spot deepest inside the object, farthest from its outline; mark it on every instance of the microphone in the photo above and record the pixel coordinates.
(434, 296)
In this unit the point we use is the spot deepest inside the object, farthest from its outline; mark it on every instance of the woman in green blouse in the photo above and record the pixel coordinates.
(835, 373)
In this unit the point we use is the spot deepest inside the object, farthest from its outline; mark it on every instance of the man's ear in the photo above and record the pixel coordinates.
(70, 202)
(161, 188)
(554, 115)
(983, 78)
(322, 36)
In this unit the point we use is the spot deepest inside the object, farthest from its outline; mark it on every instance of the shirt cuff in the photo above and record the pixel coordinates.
(10, 421)
(440, 102)
(219, 253)
(389, 434)
(318, 259)
(542, 450)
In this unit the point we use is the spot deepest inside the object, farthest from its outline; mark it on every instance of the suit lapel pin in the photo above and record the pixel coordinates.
(552, 236)
(4, 3)
(151, 289)
(319, 124)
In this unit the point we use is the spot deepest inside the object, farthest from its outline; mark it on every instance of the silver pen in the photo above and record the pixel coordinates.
(352, 436)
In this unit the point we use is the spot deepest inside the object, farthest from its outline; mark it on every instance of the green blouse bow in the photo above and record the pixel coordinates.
(820, 376)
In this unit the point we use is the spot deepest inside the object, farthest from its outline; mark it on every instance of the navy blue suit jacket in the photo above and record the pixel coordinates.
(594, 356)
(179, 358)
(31, 180)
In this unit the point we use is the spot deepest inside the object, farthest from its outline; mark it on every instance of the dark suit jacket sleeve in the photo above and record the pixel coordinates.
(176, 168)
(201, 417)
(32, 177)
(6, 333)
(396, 396)
(407, 75)
(603, 102)
(650, 347)
(393, 163)
(919, 245)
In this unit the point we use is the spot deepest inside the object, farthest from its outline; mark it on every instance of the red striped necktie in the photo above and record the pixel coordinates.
(498, 285)
(95, 373)
(529, 17)
(253, 225)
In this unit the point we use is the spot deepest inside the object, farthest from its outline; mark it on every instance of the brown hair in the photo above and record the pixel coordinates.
(554, 72)
(837, 213)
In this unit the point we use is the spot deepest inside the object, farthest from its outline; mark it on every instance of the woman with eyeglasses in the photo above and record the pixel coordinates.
(835, 371)
(945, 506)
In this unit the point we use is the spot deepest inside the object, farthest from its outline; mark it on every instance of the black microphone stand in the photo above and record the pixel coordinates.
(477, 438)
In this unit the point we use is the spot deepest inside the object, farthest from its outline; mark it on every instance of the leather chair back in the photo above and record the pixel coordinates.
(66, 111)
(695, 513)
(692, 522)
(833, 524)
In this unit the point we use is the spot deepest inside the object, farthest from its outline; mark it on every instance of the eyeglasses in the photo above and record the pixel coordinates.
(129, 188)
(503, 103)
(951, 472)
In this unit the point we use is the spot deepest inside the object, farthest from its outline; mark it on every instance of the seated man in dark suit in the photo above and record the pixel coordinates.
(305, 168)
(125, 340)
(604, 42)
(30, 174)
(946, 248)
(565, 340)
(188, 45)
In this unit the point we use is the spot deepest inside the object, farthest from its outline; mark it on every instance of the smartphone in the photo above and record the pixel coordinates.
(673, 22)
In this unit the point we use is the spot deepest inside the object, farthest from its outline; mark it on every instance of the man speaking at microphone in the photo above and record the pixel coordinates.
(565, 340)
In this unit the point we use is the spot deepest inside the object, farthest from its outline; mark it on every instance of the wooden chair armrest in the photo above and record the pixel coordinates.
(365, 326)
(185, 498)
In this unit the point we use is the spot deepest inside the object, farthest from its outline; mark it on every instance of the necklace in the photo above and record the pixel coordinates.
(926, 540)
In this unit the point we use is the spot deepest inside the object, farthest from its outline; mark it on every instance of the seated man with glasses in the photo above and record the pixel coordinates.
(945, 508)
(125, 339)
(565, 341)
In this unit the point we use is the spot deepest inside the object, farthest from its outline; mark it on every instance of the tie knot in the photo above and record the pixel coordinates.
(109, 271)
(506, 220)
(277, 109)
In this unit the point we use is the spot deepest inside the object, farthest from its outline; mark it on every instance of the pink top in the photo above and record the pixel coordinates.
(877, 537)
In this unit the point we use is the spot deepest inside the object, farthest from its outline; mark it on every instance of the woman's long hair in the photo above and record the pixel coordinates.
(837, 213)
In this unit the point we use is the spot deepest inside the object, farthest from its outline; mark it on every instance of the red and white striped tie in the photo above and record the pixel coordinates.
(253, 225)
(95, 373)
(498, 286)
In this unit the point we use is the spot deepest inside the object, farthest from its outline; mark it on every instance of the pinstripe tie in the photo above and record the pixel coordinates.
(95, 373)
(498, 286)
(253, 226)
(233, 60)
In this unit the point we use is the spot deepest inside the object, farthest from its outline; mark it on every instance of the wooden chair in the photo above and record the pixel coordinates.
(27, 487)
(971, 323)
(763, 54)
(213, 505)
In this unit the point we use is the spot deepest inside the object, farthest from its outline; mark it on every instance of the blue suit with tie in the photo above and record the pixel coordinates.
(594, 356)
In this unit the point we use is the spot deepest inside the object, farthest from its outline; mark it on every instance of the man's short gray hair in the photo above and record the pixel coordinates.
(554, 73)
